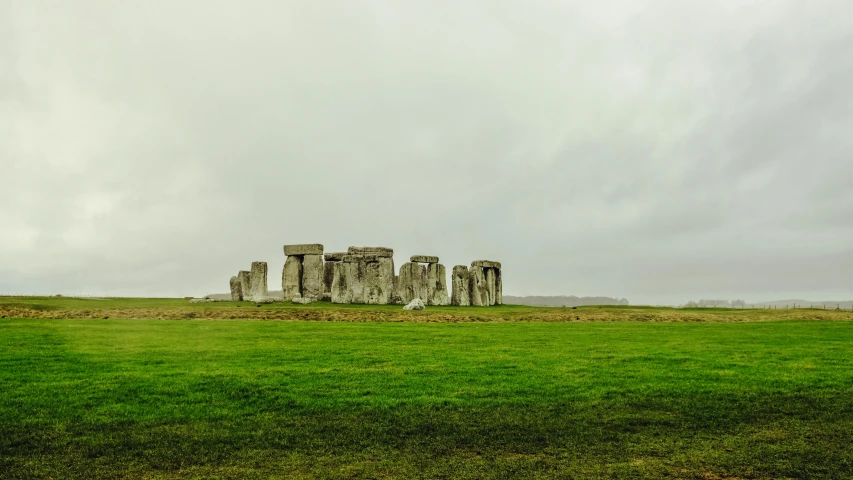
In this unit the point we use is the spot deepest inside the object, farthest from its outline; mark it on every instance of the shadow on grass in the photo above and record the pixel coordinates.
(792, 435)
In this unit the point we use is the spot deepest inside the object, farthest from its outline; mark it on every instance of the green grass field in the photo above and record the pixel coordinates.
(196, 398)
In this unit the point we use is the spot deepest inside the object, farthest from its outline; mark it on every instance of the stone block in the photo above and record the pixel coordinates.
(334, 256)
(258, 280)
(378, 281)
(423, 259)
(459, 287)
(415, 304)
(361, 258)
(486, 264)
(378, 251)
(412, 282)
(499, 288)
(245, 282)
(477, 289)
(437, 285)
(395, 297)
(490, 285)
(328, 277)
(341, 291)
(236, 290)
(303, 249)
(268, 299)
(312, 276)
(291, 277)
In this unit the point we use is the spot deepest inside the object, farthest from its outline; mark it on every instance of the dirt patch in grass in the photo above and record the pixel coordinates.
(331, 313)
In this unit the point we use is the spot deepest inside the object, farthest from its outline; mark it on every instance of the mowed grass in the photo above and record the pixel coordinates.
(116, 398)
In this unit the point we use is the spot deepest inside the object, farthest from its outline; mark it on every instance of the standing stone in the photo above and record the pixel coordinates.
(236, 290)
(291, 277)
(258, 279)
(355, 277)
(245, 282)
(312, 276)
(341, 292)
(370, 280)
(395, 297)
(477, 286)
(413, 282)
(378, 279)
(490, 286)
(437, 285)
(328, 278)
(387, 278)
(459, 295)
(499, 288)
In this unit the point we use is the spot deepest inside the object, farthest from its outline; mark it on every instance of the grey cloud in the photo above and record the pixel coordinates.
(658, 150)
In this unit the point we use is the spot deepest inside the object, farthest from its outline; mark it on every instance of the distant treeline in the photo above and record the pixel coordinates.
(793, 303)
(715, 303)
(563, 301)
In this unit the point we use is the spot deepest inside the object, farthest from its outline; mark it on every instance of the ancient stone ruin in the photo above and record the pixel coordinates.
(302, 276)
(484, 283)
(251, 285)
(367, 275)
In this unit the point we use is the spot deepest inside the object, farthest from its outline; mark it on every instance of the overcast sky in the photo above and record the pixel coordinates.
(655, 150)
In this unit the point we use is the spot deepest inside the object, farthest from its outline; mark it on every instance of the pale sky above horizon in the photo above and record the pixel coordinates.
(660, 151)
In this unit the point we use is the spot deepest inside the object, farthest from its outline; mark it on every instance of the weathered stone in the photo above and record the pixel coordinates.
(341, 292)
(356, 281)
(245, 282)
(486, 264)
(312, 276)
(423, 259)
(415, 304)
(459, 285)
(370, 281)
(361, 258)
(236, 290)
(258, 280)
(412, 282)
(303, 300)
(437, 285)
(328, 277)
(499, 288)
(395, 297)
(291, 277)
(334, 256)
(477, 287)
(379, 251)
(267, 299)
(490, 285)
(303, 249)
(378, 281)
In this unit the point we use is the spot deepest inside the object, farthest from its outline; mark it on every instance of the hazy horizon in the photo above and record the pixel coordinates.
(659, 151)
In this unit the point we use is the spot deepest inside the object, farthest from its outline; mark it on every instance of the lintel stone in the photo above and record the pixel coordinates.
(361, 258)
(303, 249)
(334, 256)
(378, 251)
(423, 259)
(486, 264)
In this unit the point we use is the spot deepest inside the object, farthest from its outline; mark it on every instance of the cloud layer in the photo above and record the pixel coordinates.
(658, 150)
